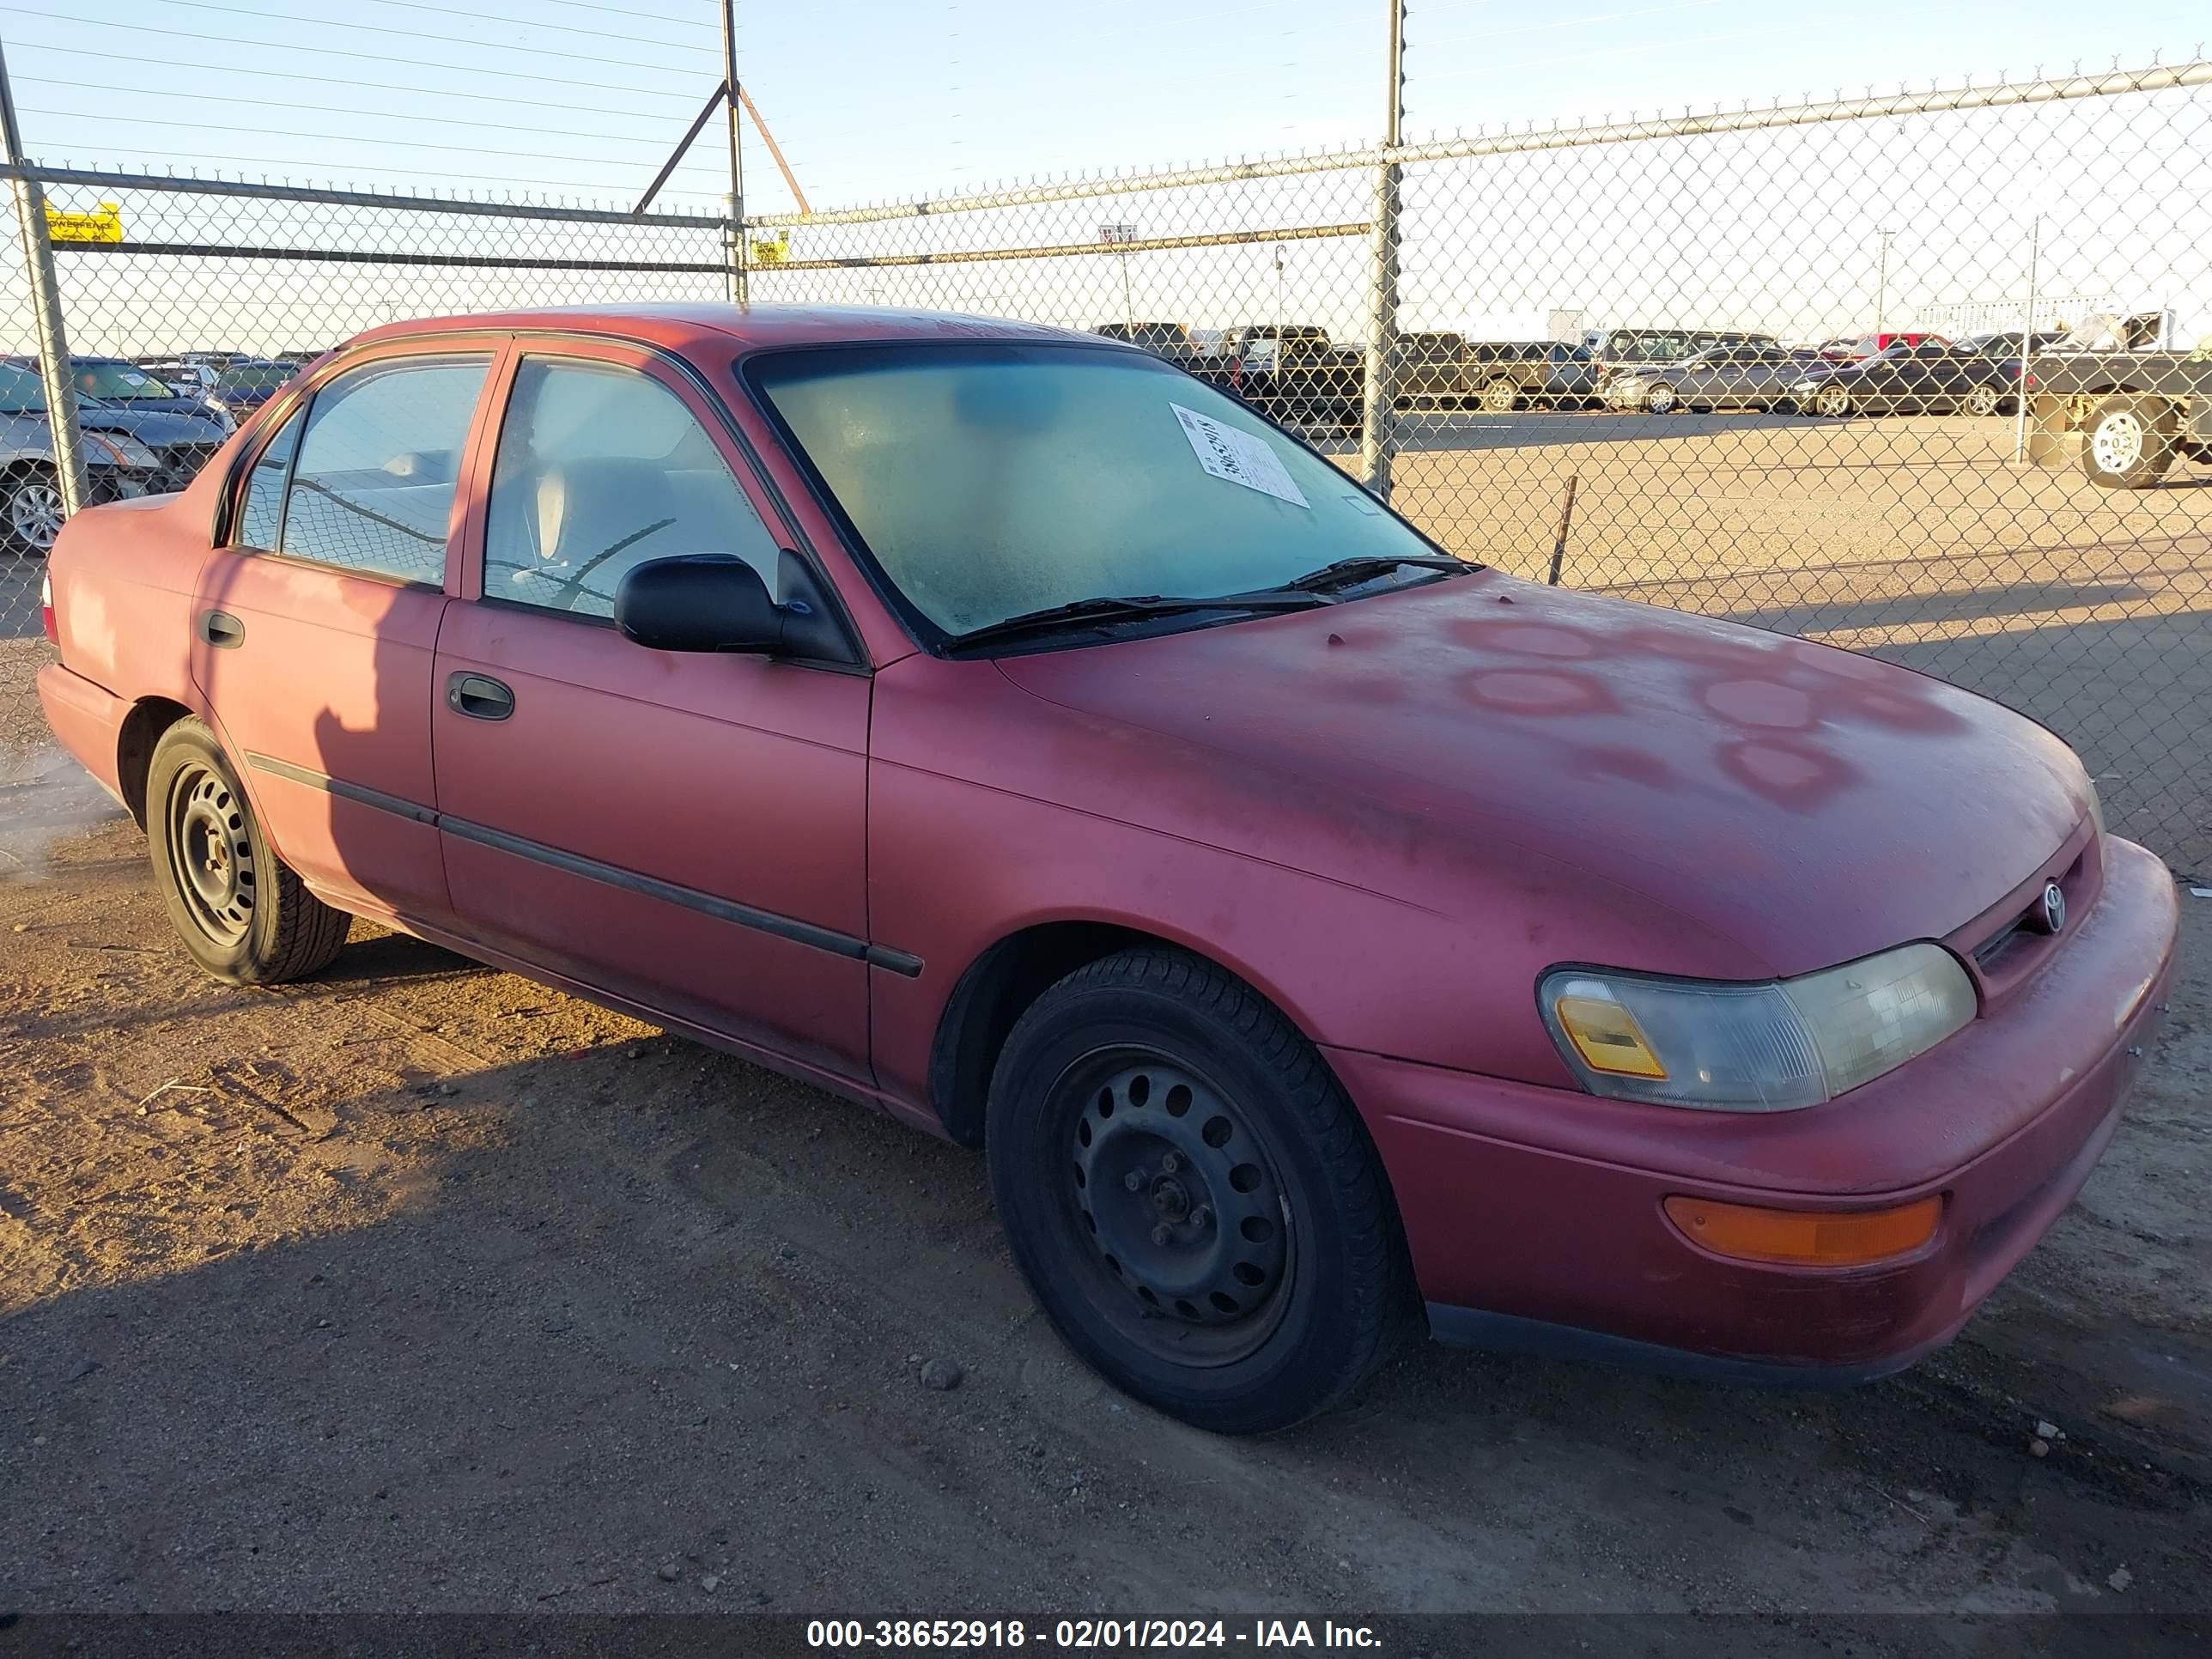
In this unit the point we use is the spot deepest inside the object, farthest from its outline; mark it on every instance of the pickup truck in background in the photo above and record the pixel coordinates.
(2136, 384)
(1294, 373)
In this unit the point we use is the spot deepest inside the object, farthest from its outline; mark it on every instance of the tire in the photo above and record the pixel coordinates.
(30, 510)
(1140, 1104)
(2128, 442)
(1660, 400)
(1833, 402)
(1501, 396)
(1982, 398)
(241, 912)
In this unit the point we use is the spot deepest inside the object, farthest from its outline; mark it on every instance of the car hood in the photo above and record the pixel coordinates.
(1809, 804)
(156, 428)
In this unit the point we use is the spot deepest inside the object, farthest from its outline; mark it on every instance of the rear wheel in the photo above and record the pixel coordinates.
(1660, 399)
(31, 509)
(1982, 398)
(1833, 402)
(1192, 1199)
(2128, 442)
(1501, 396)
(241, 912)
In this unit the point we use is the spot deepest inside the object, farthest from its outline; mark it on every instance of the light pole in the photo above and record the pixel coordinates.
(1280, 308)
(1378, 434)
(1881, 287)
(2026, 343)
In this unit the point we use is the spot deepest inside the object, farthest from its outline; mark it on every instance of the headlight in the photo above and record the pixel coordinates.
(1806, 386)
(1766, 1048)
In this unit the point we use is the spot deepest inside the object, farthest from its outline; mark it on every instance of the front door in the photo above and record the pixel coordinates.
(683, 831)
(315, 625)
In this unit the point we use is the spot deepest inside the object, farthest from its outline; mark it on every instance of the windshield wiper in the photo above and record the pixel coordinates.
(1126, 607)
(1344, 572)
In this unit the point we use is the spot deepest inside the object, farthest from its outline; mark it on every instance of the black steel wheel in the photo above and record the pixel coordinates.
(241, 913)
(1181, 1202)
(1191, 1197)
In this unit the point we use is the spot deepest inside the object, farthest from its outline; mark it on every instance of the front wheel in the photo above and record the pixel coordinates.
(1983, 399)
(240, 911)
(1835, 403)
(1190, 1196)
(2129, 443)
(1500, 396)
(31, 510)
(1660, 400)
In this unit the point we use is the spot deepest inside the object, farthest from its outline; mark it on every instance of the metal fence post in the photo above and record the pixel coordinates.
(1377, 426)
(740, 253)
(45, 308)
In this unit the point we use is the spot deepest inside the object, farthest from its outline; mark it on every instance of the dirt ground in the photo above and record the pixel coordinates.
(420, 1287)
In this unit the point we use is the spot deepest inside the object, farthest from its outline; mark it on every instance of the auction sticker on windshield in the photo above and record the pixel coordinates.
(1226, 452)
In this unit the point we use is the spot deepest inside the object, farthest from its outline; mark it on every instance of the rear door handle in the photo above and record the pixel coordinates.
(479, 696)
(222, 630)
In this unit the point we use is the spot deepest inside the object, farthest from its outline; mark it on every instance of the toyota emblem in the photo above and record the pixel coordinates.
(2054, 907)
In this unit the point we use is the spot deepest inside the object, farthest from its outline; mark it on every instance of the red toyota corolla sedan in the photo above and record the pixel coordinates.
(1321, 933)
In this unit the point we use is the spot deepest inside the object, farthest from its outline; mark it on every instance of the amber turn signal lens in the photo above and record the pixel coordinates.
(1807, 1238)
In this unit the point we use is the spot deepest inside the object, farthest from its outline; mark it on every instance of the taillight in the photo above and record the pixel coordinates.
(46, 610)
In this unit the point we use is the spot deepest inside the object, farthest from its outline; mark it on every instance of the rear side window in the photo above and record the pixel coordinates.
(260, 519)
(373, 485)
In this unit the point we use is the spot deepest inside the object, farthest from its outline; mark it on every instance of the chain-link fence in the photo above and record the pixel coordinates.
(1925, 375)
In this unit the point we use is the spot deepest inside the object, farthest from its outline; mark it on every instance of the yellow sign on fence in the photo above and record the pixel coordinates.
(768, 252)
(103, 224)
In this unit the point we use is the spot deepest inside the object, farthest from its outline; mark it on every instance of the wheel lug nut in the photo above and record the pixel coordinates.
(1161, 1234)
(1201, 1216)
(1135, 1181)
(1171, 1163)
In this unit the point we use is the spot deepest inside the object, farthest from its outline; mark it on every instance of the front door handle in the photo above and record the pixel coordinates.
(222, 630)
(479, 696)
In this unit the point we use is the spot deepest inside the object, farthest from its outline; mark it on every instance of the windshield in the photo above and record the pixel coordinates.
(21, 392)
(992, 481)
(120, 383)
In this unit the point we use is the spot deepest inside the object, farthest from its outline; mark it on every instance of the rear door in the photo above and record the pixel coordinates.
(316, 620)
(683, 831)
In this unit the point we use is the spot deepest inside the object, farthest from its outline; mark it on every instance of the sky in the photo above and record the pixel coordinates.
(875, 99)
(1808, 232)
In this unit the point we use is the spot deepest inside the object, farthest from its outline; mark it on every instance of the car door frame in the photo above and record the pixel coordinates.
(721, 418)
(263, 427)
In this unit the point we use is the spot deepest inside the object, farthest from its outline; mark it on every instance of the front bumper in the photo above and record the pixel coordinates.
(1534, 1215)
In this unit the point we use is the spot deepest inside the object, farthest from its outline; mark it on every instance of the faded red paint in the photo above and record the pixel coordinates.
(1391, 817)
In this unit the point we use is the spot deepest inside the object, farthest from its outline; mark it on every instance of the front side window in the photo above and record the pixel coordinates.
(993, 481)
(601, 468)
(373, 487)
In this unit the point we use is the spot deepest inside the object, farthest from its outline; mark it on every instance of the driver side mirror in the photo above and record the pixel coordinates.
(699, 602)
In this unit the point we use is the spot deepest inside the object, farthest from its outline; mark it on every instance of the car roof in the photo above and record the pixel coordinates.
(716, 327)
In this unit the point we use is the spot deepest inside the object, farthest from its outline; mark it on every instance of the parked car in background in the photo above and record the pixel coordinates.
(240, 388)
(2004, 345)
(1075, 766)
(1926, 379)
(1726, 377)
(1614, 349)
(121, 384)
(1858, 350)
(117, 466)
(180, 444)
(1293, 372)
(1501, 375)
